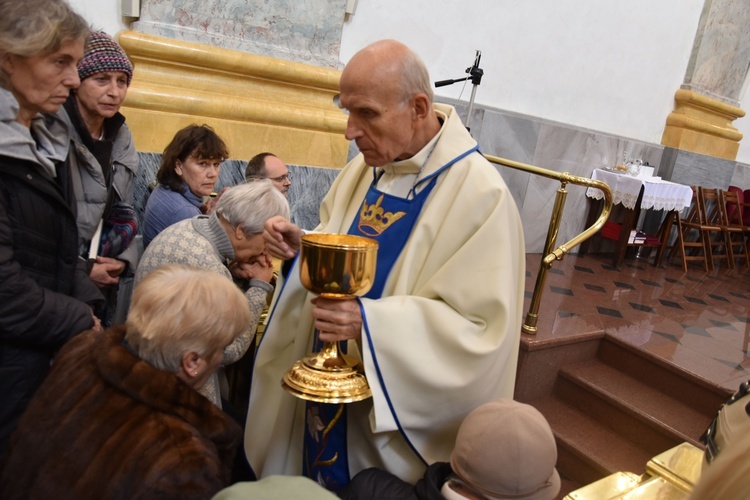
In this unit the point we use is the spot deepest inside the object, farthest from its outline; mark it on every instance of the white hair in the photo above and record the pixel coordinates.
(250, 205)
(416, 78)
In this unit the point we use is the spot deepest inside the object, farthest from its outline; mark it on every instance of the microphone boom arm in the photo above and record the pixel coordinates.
(475, 75)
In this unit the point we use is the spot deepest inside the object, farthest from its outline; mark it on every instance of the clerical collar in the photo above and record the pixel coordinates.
(415, 164)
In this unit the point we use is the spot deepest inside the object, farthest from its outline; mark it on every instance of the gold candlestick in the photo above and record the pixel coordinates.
(342, 267)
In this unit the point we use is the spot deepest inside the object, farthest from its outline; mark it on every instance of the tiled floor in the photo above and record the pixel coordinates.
(699, 321)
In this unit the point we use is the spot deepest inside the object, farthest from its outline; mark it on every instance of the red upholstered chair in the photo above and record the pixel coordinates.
(734, 230)
(732, 210)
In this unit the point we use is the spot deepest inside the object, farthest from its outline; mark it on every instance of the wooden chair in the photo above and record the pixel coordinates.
(733, 224)
(717, 234)
(691, 239)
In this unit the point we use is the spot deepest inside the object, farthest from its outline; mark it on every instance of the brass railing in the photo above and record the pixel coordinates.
(552, 254)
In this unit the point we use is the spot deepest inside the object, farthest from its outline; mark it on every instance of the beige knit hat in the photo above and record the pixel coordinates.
(505, 449)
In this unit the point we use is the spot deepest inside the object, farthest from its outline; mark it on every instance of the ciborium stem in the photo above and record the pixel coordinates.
(330, 356)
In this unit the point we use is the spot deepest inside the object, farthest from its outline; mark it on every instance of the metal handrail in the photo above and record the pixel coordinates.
(550, 254)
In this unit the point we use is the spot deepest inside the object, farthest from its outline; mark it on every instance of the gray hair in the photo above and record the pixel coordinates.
(250, 205)
(178, 309)
(37, 27)
(416, 78)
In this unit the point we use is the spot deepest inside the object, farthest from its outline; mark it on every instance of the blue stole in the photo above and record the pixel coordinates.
(389, 220)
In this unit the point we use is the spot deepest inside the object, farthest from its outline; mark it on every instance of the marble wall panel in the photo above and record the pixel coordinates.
(693, 169)
(309, 186)
(553, 146)
(512, 138)
(561, 150)
(306, 31)
(741, 176)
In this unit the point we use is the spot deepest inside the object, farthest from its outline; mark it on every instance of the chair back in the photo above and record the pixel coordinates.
(713, 212)
(732, 210)
(694, 214)
(731, 202)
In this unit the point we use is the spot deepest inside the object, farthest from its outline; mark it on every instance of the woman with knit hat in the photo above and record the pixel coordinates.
(103, 163)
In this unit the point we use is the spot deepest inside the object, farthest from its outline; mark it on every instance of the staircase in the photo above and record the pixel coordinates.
(611, 406)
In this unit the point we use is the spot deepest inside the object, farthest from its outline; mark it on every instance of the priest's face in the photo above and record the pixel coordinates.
(381, 121)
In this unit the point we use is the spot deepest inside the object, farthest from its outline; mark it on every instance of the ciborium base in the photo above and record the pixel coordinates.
(309, 379)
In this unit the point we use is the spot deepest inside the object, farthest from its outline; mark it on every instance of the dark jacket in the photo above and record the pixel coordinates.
(377, 484)
(106, 424)
(44, 289)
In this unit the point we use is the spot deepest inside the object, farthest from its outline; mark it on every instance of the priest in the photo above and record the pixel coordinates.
(439, 331)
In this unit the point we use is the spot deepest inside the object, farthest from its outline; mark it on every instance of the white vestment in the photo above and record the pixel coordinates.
(445, 333)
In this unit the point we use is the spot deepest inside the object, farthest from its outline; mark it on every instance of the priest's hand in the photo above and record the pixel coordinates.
(282, 237)
(337, 319)
(259, 268)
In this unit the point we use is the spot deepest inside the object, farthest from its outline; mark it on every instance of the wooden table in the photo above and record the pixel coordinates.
(636, 194)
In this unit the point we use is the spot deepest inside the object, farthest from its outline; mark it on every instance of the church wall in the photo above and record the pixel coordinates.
(569, 86)
(607, 66)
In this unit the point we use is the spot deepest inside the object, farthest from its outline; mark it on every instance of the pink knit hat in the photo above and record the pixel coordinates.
(505, 449)
(103, 54)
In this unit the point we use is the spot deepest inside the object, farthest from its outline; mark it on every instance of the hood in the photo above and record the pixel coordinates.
(17, 141)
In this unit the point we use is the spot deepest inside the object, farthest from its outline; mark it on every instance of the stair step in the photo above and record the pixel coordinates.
(617, 406)
(588, 450)
(660, 374)
(632, 407)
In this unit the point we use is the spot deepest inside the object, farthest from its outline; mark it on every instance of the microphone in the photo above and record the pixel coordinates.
(475, 73)
(443, 83)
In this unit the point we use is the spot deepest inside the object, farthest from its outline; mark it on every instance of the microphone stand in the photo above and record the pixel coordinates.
(475, 74)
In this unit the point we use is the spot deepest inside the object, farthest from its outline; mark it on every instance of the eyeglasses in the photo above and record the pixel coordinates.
(282, 178)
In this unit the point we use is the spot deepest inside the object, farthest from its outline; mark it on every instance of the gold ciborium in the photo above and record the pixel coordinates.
(334, 266)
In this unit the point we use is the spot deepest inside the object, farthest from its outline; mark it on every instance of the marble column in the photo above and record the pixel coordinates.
(707, 102)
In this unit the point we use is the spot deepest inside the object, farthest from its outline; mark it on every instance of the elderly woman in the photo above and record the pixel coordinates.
(120, 415)
(103, 162)
(45, 294)
(230, 243)
(188, 173)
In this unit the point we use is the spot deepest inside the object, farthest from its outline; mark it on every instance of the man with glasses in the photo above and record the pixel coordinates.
(269, 166)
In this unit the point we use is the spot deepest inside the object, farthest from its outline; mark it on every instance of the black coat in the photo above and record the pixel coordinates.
(45, 294)
(377, 484)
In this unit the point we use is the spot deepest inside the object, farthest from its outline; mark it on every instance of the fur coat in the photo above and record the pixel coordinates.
(106, 424)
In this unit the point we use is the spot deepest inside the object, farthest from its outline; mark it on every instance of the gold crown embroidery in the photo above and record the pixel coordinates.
(373, 220)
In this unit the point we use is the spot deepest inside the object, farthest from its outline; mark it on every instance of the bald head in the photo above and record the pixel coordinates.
(386, 89)
(390, 61)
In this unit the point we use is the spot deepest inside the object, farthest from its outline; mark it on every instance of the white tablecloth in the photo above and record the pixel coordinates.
(658, 194)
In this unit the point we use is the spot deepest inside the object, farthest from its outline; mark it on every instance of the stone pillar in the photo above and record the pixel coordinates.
(707, 102)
